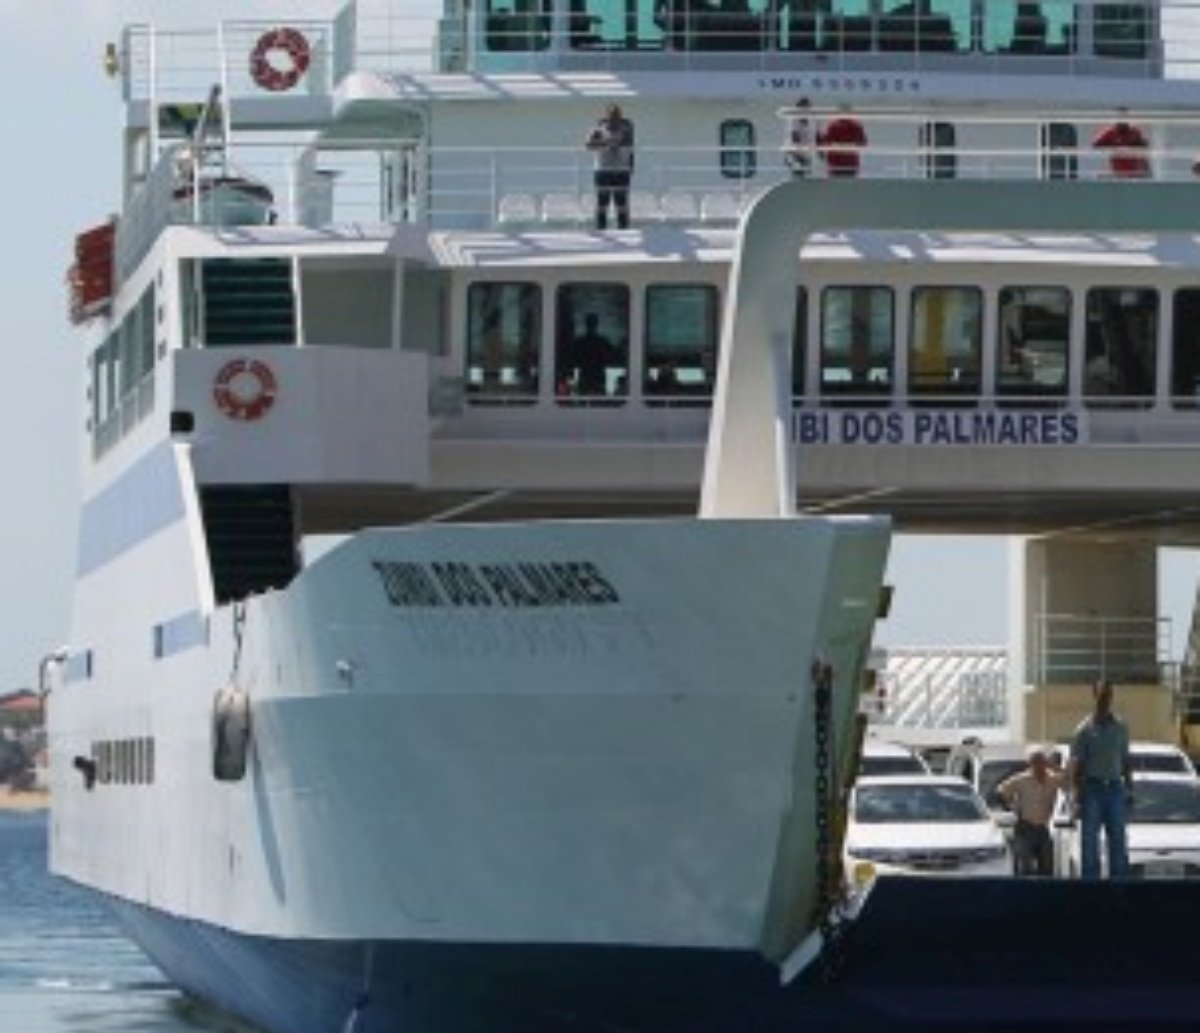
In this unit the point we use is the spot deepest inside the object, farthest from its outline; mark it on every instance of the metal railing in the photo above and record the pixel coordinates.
(1085, 37)
(1072, 649)
(943, 687)
(382, 183)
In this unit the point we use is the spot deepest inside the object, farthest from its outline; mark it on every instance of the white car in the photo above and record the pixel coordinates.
(1144, 755)
(1162, 829)
(1160, 757)
(881, 757)
(921, 825)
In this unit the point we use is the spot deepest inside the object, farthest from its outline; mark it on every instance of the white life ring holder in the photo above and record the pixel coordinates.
(245, 389)
(293, 46)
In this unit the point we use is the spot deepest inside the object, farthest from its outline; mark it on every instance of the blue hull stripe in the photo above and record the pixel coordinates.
(143, 500)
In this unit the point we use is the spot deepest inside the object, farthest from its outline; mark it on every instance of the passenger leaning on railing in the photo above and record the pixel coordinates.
(1127, 146)
(841, 143)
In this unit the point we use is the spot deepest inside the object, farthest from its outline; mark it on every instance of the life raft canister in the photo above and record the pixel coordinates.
(230, 734)
(279, 59)
(245, 389)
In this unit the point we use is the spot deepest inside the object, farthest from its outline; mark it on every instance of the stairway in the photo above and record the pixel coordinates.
(248, 301)
(251, 538)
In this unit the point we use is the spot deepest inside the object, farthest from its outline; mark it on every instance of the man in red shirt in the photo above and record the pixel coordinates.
(1127, 145)
(840, 144)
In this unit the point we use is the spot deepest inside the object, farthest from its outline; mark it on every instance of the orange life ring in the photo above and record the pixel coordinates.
(279, 59)
(245, 389)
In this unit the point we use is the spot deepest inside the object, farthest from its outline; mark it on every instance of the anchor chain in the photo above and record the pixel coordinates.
(829, 897)
(239, 630)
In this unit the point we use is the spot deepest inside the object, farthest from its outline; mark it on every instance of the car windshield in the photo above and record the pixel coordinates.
(911, 802)
(1173, 802)
(992, 773)
(1171, 762)
(891, 766)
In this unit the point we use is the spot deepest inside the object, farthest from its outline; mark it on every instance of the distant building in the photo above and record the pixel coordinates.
(23, 701)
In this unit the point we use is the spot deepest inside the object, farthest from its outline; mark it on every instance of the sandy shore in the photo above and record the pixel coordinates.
(35, 800)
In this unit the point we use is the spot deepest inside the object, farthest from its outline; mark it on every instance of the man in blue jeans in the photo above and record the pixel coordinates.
(1103, 781)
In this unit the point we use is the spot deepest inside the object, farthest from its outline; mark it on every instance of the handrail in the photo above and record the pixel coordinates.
(1078, 648)
(1077, 38)
(471, 187)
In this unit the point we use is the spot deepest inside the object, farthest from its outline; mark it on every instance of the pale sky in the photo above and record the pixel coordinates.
(61, 125)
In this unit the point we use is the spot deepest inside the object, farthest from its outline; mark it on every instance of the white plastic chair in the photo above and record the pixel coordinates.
(563, 208)
(517, 210)
(678, 206)
(719, 207)
(644, 207)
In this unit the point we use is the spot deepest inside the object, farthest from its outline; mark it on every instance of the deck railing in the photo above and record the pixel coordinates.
(985, 37)
(383, 183)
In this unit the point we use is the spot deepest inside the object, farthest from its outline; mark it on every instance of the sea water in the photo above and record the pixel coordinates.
(64, 965)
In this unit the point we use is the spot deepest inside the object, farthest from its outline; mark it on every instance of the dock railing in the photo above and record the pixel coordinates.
(1073, 649)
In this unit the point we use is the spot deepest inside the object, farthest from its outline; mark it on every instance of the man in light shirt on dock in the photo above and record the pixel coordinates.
(1031, 795)
(1103, 780)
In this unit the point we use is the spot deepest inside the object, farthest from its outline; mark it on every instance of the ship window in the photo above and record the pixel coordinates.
(799, 342)
(738, 158)
(1029, 27)
(945, 341)
(150, 761)
(517, 25)
(681, 339)
(618, 24)
(1120, 30)
(1033, 341)
(1119, 363)
(940, 25)
(1185, 350)
(937, 141)
(857, 331)
(504, 333)
(591, 343)
(1059, 159)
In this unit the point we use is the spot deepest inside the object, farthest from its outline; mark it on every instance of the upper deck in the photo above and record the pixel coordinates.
(1074, 38)
(383, 118)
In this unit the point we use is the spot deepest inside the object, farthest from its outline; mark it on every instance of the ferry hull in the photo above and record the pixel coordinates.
(544, 765)
(307, 986)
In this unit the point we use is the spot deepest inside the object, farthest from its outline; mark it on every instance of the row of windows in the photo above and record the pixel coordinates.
(1120, 30)
(589, 349)
(124, 761)
(591, 339)
(126, 356)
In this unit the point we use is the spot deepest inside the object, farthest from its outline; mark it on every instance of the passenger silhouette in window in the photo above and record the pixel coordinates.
(592, 354)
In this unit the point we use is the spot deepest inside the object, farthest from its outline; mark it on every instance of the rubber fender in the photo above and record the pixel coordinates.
(230, 734)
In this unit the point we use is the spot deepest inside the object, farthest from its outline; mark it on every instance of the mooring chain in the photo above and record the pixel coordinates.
(828, 898)
(239, 627)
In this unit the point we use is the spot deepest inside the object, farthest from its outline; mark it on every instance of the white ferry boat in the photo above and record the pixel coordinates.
(406, 690)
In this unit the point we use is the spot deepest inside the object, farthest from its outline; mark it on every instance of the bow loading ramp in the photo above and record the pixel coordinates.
(935, 952)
